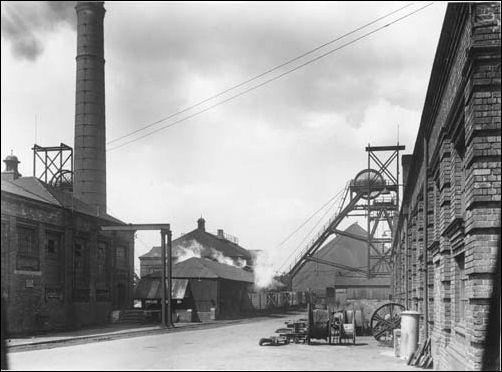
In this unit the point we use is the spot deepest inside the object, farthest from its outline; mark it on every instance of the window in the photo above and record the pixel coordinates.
(102, 273)
(121, 256)
(27, 253)
(80, 265)
(53, 270)
(460, 295)
(53, 245)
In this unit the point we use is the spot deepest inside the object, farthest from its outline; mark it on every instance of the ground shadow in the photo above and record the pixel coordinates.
(320, 343)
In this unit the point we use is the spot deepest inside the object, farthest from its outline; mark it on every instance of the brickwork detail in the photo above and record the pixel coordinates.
(461, 124)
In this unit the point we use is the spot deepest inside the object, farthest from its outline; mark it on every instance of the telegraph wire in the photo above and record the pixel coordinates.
(257, 76)
(335, 199)
(306, 221)
(272, 79)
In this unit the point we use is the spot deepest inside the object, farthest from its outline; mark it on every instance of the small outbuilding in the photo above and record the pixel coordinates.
(202, 290)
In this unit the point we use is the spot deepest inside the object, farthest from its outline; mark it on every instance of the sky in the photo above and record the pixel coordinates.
(256, 166)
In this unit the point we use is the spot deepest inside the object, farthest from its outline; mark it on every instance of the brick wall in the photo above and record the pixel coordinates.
(462, 128)
(45, 299)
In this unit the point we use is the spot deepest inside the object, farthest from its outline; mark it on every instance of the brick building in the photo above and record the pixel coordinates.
(58, 269)
(448, 232)
(221, 247)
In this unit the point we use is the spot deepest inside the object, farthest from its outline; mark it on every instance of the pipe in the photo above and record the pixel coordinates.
(369, 215)
(169, 279)
(406, 264)
(163, 283)
(426, 243)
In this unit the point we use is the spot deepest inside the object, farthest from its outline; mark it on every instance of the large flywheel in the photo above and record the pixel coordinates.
(385, 319)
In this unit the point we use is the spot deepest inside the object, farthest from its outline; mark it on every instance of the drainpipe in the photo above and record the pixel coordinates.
(426, 243)
(406, 263)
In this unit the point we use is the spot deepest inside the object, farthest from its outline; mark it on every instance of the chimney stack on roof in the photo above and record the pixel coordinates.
(89, 182)
(11, 173)
(201, 224)
(221, 235)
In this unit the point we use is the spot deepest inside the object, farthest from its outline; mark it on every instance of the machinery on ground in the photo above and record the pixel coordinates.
(385, 319)
(335, 327)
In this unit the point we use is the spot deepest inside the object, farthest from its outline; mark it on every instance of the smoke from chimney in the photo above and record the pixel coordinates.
(23, 22)
(89, 182)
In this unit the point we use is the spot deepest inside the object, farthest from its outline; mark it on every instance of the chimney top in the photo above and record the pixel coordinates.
(201, 224)
(11, 171)
(221, 235)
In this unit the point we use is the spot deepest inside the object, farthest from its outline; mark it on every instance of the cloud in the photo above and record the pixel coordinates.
(202, 49)
(23, 24)
(256, 166)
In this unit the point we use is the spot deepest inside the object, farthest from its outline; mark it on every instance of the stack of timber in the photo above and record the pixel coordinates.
(422, 357)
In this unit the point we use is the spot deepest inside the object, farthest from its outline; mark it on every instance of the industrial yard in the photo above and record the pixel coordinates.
(346, 217)
(232, 347)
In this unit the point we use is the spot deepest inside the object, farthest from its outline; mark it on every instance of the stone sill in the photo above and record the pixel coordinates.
(27, 272)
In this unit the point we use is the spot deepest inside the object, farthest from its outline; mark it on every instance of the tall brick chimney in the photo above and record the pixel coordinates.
(89, 182)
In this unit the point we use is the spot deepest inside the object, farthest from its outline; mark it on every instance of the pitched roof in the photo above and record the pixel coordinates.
(150, 288)
(343, 250)
(207, 241)
(34, 189)
(204, 268)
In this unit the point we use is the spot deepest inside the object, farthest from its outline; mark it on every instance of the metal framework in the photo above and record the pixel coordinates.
(165, 230)
(57, 165)
(374, 194)
(383, 209)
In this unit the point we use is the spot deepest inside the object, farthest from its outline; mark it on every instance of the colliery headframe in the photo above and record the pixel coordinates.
(424, 264)
(373, 194)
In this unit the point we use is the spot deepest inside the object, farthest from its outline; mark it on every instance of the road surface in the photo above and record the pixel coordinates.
(230, 347)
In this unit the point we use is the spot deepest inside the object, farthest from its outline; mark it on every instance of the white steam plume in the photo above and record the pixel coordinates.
(264, 273)
(188, 250)
(192, 248)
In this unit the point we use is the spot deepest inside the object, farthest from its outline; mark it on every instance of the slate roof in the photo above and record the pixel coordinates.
(204, 268)
(342, 250)
(206, 240)
(34, 189)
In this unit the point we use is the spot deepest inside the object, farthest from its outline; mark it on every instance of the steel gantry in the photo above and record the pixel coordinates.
(374, 194)
(57, 165)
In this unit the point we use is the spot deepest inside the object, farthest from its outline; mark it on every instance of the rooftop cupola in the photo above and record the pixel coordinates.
(11, 172)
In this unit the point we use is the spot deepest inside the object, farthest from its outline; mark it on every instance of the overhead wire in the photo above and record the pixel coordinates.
(272, 79)
(299, 246)
(258, 76)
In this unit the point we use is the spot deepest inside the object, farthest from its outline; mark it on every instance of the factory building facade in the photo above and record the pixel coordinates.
(199, 243)
(59, 271)
(448, 233)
